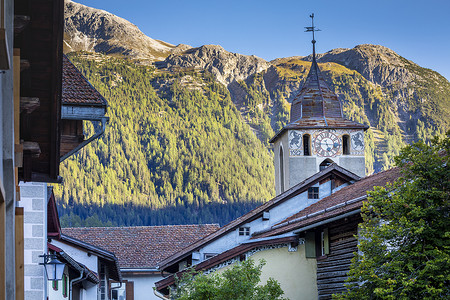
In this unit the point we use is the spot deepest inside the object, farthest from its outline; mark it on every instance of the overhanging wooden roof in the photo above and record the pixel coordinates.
(39, 26)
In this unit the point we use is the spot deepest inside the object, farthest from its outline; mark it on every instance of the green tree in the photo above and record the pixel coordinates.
(240, 282)
(404, 240)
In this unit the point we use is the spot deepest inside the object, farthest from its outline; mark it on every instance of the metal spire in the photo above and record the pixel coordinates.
(312, 29)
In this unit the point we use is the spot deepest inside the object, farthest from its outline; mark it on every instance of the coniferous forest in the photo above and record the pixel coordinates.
(179, 153)
(177, 150)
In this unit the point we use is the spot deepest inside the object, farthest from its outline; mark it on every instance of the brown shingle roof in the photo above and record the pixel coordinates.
(356, 190)
(315, 98)
(143, 246)
(316, 106)
(76, 89)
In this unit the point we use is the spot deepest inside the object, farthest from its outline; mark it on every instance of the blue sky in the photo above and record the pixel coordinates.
(417, 30)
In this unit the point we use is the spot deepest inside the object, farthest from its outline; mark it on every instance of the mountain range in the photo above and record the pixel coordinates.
(237, 100)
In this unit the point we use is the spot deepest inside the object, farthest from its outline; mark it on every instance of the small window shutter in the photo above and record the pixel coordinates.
(129, 290)
(310, 245)
(326, 243)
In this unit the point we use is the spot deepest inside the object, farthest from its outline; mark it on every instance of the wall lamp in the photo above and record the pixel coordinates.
(53, 267)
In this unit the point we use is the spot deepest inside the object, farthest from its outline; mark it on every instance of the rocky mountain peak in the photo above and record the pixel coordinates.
(225, 66)
(376, 63)
(95, 30)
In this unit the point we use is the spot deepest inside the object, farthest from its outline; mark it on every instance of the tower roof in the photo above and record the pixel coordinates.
(315, 99)
(316, 105)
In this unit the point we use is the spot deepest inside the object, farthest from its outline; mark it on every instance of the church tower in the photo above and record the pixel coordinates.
(317, 134)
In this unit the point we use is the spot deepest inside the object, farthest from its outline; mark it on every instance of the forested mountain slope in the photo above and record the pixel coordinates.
(188, 135)
(175, 151)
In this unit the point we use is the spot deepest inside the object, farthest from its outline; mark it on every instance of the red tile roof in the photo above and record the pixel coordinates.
(76, 89)
(143, 246)
(336, 204)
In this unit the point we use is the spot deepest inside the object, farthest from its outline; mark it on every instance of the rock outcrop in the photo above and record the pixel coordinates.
(225, 66)
(376, 63)
(95, 30)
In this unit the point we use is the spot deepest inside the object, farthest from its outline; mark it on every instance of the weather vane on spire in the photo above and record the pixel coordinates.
(312, 29)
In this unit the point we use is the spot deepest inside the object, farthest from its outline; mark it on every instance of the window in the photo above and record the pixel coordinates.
(118, 292)
(313, 193)
(306, 145)
(324, 244)
(65, 285)
(209, 255)
(345, 144)
(281, 170)
(103, 285)
(244, 231)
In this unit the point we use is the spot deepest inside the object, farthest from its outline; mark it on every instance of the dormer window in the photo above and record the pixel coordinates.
(313, 193)
(244, 231)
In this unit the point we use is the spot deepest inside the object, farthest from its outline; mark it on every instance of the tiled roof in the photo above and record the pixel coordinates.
(336, 204)
(76, 89)
(142, 246)
(333, 169)
(89, 274)
(108, 257)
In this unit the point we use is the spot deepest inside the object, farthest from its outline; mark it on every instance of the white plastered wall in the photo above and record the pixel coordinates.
(34, 198)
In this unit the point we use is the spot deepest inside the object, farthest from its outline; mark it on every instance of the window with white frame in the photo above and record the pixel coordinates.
(244, 231)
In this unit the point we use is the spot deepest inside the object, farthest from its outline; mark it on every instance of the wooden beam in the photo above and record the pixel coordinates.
(19, 251)
(29, 104)
(20, 23)
(16, 94)
(18, 148)
(24, 64)
(18, 156)
(31, 148)
(4, 54)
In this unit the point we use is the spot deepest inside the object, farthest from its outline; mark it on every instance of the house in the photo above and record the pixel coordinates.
(37, 133)
(89, 270)
(309, 252)
(80, 101)
(306, 233)
(139, 251)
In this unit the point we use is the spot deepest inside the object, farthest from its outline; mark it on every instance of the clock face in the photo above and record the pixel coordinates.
(327, 144)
